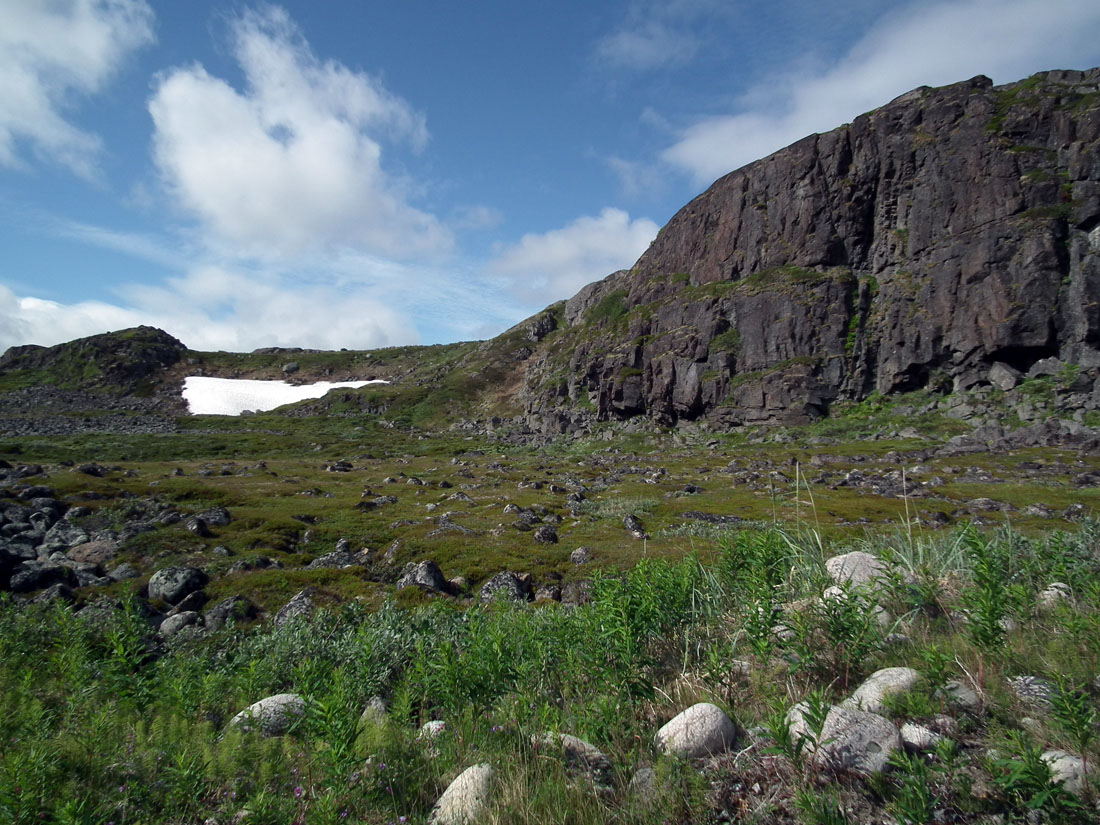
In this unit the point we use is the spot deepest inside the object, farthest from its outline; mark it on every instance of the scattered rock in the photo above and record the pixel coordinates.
(1033, 690)
(1067, 769)
(466, 800)
(581, 555)
(892, 681)
(506, 585)
(425, 575)
(581, 757)
(851, 740)
(701, 730)
(171, 584)
(272, 716)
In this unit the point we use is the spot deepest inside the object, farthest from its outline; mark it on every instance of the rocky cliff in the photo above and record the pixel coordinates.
(953, 231)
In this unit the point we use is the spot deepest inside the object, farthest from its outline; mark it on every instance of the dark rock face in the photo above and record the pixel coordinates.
(115, 358)
(951, 230)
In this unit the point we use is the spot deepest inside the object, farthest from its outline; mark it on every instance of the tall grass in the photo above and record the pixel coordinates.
(101, 721)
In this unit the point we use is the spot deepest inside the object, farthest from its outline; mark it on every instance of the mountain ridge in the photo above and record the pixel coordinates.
(946, 237)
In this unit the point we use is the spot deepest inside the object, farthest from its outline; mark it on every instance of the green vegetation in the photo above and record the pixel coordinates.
(96, 729)
(611, 308)
(728, 341)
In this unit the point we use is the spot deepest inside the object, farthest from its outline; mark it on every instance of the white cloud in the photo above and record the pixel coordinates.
(554, 265)
(293, 163)
(921, 44)
(52, 52)
(646, 45)
(212, 308)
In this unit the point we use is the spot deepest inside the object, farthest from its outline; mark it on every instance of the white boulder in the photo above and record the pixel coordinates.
(466, 800)
(891, 681)
(272, 716)
(701, 730)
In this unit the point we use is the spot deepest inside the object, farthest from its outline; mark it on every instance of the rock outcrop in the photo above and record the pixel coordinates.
(950, 238)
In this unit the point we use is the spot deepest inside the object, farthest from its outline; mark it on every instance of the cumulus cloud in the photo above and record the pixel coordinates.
(213, 308)
(921, 44)
(52, 53)
(553, 265)
(292, 163)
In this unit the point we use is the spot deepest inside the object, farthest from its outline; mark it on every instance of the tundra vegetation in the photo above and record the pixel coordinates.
(716, 592)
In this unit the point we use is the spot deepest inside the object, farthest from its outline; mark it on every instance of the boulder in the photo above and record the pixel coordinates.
(892, 681)
(94, 552)
(1067, 769)
(466, 800)
(237, 608)
(1054, 594)
(301, 606)
(175, 623)
(272, 716)
(35, 575)
(701, 730)
(919, 738)
(506, 585)
(854, 741)
(1004, 377)
(172, 584)
(546, 534)
(426, 575)
(580, 757)
(856, 568)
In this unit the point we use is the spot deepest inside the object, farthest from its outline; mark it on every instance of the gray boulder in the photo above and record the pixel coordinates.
(872, 694)
(172, 584)
(466, 800)
(701, 730)
(856, 568)
(1004, 377)
(174, 624)
(272, 716)
(580, 757)
(506, 585)
(851, 740)
(36, 575)
(235, 607)
(299, 607)
(426, 575)
(1067, 769)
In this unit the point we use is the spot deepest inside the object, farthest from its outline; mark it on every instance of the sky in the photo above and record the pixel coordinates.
(358, 174)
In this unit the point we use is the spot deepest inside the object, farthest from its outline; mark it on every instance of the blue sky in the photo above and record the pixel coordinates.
(362, 174)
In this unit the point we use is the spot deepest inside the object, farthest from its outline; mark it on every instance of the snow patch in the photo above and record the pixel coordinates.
(232, 396)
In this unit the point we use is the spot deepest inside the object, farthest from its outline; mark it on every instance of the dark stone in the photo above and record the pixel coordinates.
(35, 575)
(237, 608)
(172, 584)
(299, 608)
(425, 575)
(506, 585)
(546, 534)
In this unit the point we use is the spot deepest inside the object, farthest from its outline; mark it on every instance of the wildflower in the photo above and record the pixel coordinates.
(298, 791)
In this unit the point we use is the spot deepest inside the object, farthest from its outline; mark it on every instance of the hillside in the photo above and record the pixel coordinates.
(950, 231)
